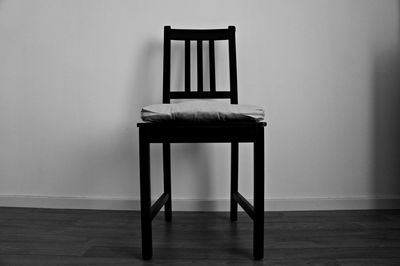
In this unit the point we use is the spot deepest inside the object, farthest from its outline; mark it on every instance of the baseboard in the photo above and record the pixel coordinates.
(275, 204)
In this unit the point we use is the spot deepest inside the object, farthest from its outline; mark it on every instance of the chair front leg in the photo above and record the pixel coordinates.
(167, 180)
(145, 200)
(258, 233)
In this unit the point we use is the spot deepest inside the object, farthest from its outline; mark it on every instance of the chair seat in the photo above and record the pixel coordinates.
(202, 111)
(192, 132)
(202, 124)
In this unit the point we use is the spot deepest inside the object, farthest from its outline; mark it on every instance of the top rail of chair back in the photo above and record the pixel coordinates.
(199, 34)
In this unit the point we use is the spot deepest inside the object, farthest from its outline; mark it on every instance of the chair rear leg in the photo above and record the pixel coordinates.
(258, 233)
(167, 179)
(234, 178)
(145, 200)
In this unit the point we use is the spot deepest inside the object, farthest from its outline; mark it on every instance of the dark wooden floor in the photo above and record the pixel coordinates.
(89, 237)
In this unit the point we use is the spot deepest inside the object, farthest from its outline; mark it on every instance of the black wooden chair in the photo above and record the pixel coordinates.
(187, 132)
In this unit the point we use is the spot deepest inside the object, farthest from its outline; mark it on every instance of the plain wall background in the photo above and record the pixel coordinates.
(74, 74)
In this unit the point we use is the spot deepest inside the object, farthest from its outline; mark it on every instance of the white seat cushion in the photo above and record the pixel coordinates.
(201, 111)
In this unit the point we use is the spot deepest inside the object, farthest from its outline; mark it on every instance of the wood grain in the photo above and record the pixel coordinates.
(95, 237)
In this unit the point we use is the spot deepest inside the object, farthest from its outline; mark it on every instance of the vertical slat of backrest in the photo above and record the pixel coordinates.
(187, 65)
(232, 65)
(199, 65)
(167, 65)
(212, 65)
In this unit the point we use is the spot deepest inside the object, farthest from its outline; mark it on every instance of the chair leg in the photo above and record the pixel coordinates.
(234, 178)
(145, 201)
(258, 233)
(167, 180)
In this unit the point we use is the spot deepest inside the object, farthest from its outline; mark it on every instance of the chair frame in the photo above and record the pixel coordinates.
(179, 132)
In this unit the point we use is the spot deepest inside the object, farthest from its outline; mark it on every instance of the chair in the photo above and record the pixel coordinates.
(191, 132)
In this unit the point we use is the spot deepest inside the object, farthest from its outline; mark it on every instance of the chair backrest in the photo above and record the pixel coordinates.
(199, 36)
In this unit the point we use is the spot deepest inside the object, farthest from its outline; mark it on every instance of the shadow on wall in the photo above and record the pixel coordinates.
(146, 79)
(121, 157)
(386, 131)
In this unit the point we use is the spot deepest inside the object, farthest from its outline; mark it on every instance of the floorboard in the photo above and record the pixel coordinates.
(30, 236)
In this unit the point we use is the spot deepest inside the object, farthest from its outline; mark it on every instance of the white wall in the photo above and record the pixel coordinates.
(74, 74)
